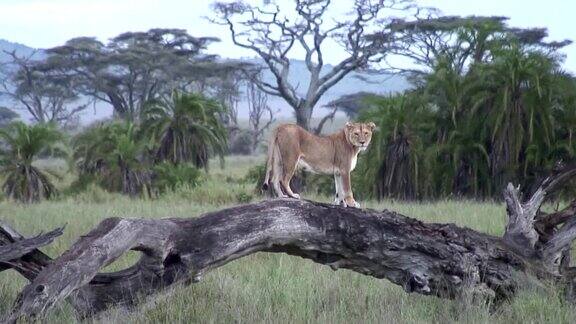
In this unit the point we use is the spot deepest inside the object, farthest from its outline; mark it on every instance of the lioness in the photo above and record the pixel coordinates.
(291, 146)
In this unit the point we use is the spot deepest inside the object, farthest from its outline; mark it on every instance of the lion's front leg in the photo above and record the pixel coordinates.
(339, 193)
(347, 191)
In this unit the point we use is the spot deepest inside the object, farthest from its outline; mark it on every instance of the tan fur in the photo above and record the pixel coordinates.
(291, 147)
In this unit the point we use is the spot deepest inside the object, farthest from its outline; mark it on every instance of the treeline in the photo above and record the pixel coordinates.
(174, 108)
(491, 105)
(58, 84)
(163, 151)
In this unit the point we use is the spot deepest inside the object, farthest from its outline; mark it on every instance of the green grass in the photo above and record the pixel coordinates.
(268, 287)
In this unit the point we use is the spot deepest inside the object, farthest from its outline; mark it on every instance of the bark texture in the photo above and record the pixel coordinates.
(21, 254)
(431, 259)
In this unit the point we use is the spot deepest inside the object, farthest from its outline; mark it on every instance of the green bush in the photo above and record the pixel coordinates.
(95, 194)
(256, 175)
(240, 143)
(319, 184)
(168, 176)
(215, 193)
(81, 184)
(244, 197)
(115, 154)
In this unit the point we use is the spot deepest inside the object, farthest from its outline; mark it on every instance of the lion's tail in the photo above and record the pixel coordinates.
(272, 146)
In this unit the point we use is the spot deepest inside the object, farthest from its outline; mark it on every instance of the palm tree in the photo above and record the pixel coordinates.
(459, 129)
(469, 160)
(115, 155)
(519, 110)
(187, 129)
(504, 114)
(21, 145)
(565, 116)
(393, 163)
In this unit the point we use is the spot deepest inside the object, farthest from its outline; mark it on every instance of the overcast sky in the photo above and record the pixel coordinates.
(47, 23)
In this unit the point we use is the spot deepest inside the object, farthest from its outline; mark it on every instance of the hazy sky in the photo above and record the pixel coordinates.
(46, 23)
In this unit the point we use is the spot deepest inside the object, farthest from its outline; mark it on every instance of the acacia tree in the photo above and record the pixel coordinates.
(33, 85)
(459, 41)
(133, 68)
(351, 104)
(260, 115)
(274, 36)
(6, 116)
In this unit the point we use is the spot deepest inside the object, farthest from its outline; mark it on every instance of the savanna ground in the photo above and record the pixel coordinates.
(269, 287)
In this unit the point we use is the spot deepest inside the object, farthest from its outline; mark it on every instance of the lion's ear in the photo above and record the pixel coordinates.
(371, 125)
(349, 124)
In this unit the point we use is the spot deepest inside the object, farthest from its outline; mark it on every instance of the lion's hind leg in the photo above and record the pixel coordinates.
(289, 168)
(277, 172)
(276, 179)
(277, 187)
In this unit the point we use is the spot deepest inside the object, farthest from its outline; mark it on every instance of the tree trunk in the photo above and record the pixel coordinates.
(303, 115)
(443, 260)
(22, 254)
(329, 117)
(303, 118)
(255, 141)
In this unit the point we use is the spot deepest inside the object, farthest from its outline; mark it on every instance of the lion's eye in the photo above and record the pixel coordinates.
(356, 134)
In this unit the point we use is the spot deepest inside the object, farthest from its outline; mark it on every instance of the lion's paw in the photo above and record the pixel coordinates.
(352, 203)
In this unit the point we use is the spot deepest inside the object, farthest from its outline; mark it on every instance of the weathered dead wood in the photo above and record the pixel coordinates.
(533, 233)
(20, 248)
(21, 254)
(431, 259)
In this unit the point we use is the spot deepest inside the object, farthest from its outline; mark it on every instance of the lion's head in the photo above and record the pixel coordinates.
(359, 134)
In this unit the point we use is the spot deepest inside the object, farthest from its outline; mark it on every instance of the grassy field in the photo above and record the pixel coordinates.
(267, 287)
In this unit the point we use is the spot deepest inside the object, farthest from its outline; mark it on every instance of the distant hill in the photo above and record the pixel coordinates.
(6, 46)
(21, 50)
(382, 84)
(101, 110)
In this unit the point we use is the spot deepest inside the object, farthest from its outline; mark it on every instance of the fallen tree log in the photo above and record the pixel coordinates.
(431, 259)
(21, 254)
(17, 249)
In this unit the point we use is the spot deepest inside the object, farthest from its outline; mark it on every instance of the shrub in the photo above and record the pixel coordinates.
(319, 184)
(115, 155)
(244, 197)
(168, 176)
(240, 143)
(93, 193)
(256, 175)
